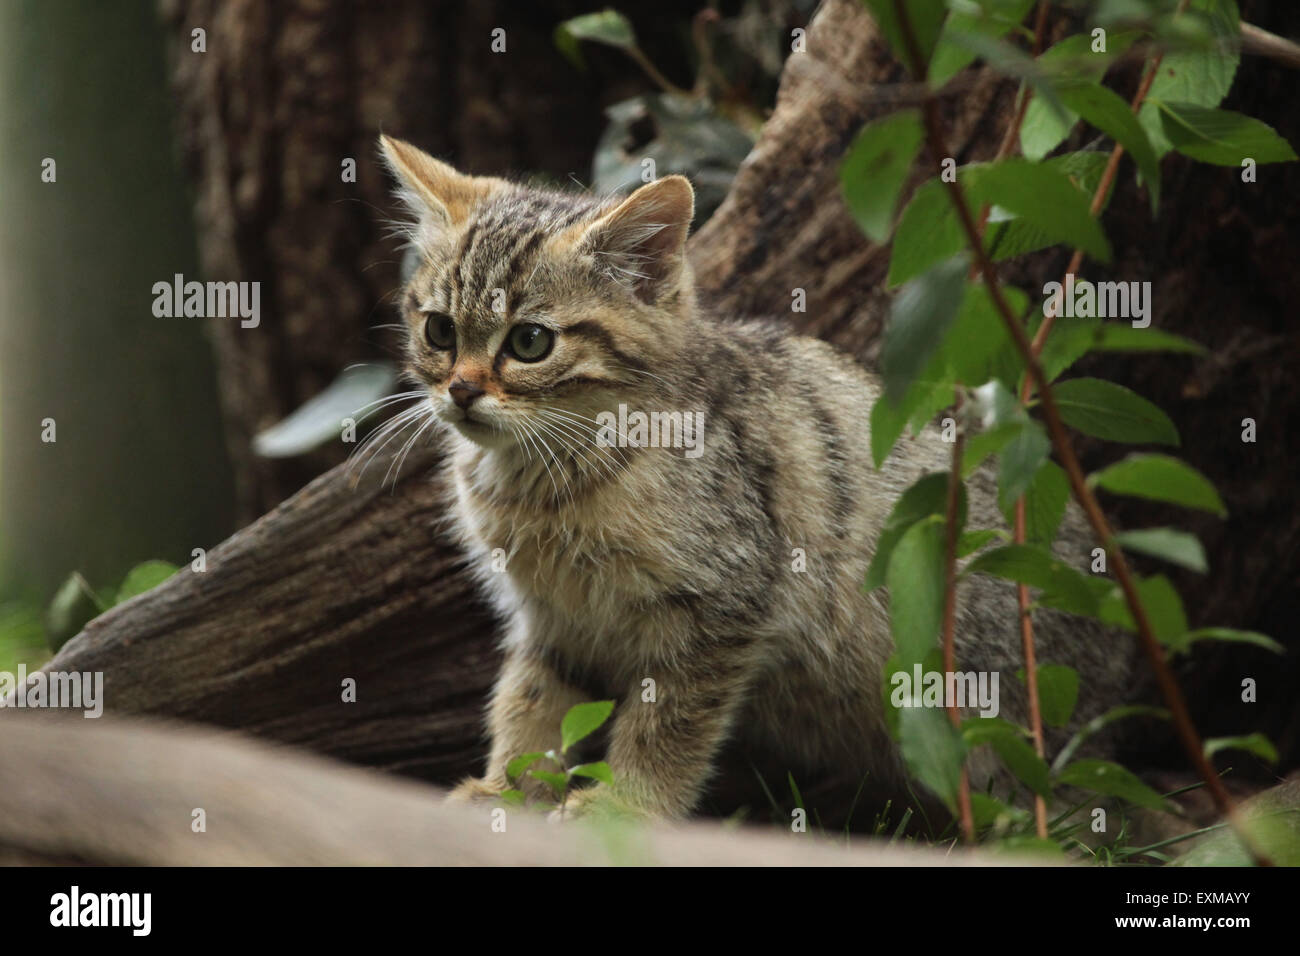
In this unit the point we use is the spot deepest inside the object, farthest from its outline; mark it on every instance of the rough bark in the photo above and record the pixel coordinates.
(341, 583)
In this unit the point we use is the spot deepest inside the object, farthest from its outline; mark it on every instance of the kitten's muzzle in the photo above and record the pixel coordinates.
(463, 393)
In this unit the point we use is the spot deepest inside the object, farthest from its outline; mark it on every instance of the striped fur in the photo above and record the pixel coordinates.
(628, 565)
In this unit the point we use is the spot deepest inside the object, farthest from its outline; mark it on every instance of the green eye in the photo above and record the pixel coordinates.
(530, 343)
(440, 331)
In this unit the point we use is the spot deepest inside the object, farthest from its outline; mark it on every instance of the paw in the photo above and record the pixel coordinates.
(473, 790)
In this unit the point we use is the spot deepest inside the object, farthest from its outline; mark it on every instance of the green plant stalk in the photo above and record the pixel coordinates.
(965, 811)
(665, 84)
(1061, 442)
(1139, 850)
(1007, 147)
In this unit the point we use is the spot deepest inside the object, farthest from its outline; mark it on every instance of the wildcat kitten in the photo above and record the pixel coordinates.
(533, 316)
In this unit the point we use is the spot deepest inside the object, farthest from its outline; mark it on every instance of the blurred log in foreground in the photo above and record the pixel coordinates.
(126, 792)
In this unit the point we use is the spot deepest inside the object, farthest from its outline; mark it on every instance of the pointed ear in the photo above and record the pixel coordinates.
(642, 241)
(436, 193)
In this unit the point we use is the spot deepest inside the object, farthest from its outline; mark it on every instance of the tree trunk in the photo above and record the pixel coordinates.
(285, 93)
(340, 582)
(131, 396)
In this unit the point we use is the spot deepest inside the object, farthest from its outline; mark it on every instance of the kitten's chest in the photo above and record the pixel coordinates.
(594, 562)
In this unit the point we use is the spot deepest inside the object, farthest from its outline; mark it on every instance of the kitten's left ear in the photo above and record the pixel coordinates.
(439, 196)
(643, 240)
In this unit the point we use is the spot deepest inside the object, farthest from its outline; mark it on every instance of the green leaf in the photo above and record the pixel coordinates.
(144, 577)
(923, 398)
(1160, 600)
(1105, 410)
(516, 767)
(894, 694)
(595, 771)
(971, 541)
(1045, 500)
(320, 418)
(933, 750)
(975, 348)
(1202, 77)
(1257, 744)
(950, 57)
(928, 496)
(1221, 137)
(1012, 61)
(73, 606)
(1044, 128)
(512, 797)
(1008, 238)
(1008, 742)
(1071, 339)
(916, 589)
(1062, 586)
(1058, 692)
(582, 720)
(919, 317)
(794, 790)
(1001, 419)
(1159, 478)
(1110, 114)
(983, 444)
(607, 26)
(930, 230)
(1123, 337)
(1272, 821)
(1184, 643)
(875, 167)
(1019, 463)
(1102, 776)
(1041, 195)
(1100, 723)
(926, 19)
(1068, 341)
(989, 811)
(558, 782)
(1169, 544)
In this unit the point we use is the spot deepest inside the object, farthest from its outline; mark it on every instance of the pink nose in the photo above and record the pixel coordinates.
(463, 393)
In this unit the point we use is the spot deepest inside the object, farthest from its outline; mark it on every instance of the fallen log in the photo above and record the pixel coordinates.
(130, 792)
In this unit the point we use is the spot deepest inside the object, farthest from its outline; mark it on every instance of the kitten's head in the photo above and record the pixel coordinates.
(530, 303)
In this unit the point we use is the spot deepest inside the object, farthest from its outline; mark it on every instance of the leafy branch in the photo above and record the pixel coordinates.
(580, 722)
(944, 333)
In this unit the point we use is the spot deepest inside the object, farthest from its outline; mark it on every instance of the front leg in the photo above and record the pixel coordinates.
(528, 704)
(662, 751)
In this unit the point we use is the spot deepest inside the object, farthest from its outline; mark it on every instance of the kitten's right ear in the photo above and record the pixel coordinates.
(438, 195)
